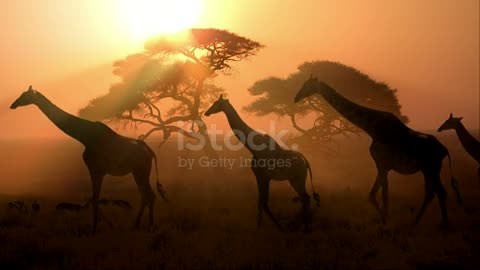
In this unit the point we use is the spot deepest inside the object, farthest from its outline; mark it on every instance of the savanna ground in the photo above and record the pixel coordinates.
(210, 221)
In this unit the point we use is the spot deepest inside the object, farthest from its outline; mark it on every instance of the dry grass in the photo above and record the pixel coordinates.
(210, 222)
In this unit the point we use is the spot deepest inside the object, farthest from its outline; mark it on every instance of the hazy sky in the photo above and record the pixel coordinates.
(428, 50)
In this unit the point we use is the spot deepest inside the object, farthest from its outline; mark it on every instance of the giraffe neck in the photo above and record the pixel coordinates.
(243, 132)
(377, 124)
(471, 145)
(77, 128)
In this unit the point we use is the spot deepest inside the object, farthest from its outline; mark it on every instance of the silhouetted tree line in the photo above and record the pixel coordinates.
(169, 84)
(275, 95)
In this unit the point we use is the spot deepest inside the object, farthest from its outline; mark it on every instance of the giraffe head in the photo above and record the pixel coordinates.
(310, 87)
(219, 106)
(26, 98)
(451, 123)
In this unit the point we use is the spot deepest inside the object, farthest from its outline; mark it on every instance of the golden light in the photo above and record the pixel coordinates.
(147, 18)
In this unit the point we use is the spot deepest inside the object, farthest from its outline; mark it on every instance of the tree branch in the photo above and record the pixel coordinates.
(152, 107)
(131, 118)
(294, 123)
(167, 131)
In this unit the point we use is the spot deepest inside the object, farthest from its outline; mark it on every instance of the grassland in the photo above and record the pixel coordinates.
(209, 222)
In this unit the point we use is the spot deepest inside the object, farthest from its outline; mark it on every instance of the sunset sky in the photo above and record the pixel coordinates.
(428, 50)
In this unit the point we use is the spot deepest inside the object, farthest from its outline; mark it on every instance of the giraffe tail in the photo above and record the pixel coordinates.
(316, 197)
(453, 182)
(160, 188)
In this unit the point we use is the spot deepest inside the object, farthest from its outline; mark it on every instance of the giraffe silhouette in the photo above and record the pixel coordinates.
(290, 165)
(394, 147)
(106, 152)
(469, 143)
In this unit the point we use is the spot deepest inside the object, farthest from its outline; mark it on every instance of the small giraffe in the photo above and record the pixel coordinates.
(106, 152)
(471, 145)
(394, 147)
(265, 150)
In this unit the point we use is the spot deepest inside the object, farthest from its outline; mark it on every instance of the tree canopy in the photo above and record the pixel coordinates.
(171, 80)
(275, 95)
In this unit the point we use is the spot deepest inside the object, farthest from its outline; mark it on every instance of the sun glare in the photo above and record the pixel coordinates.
(147, 18)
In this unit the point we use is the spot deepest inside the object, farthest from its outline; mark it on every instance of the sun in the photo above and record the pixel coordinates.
(147, 18)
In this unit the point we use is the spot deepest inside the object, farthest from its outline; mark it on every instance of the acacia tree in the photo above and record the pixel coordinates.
(275, 95)
(171, 81)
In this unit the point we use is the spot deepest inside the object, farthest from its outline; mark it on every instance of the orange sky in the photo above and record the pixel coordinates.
(428, 50)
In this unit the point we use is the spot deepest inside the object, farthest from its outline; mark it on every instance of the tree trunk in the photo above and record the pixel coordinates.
(203, 131)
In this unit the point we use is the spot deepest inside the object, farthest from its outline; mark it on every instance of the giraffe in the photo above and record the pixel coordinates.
(394, 147)
(106, 152)
(266, 150)
(471, 145)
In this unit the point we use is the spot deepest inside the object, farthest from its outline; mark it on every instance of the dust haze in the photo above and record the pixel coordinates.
(210, 219)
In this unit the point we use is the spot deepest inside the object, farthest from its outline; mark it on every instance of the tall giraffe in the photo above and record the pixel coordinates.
(288, 165)
(106, 152)
(394, 147)
(471, 145)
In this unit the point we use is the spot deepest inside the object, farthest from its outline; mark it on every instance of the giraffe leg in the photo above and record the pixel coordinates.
(263, 187)
(147, 195)
(97, 180)
(385, 198)
(428, 196)
(298, 184)
(140, 213)
(442, 199)
(381, 178)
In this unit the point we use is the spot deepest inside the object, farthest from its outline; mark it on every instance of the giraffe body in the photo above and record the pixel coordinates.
(394, 147)
(288, 165)
(106, 152)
